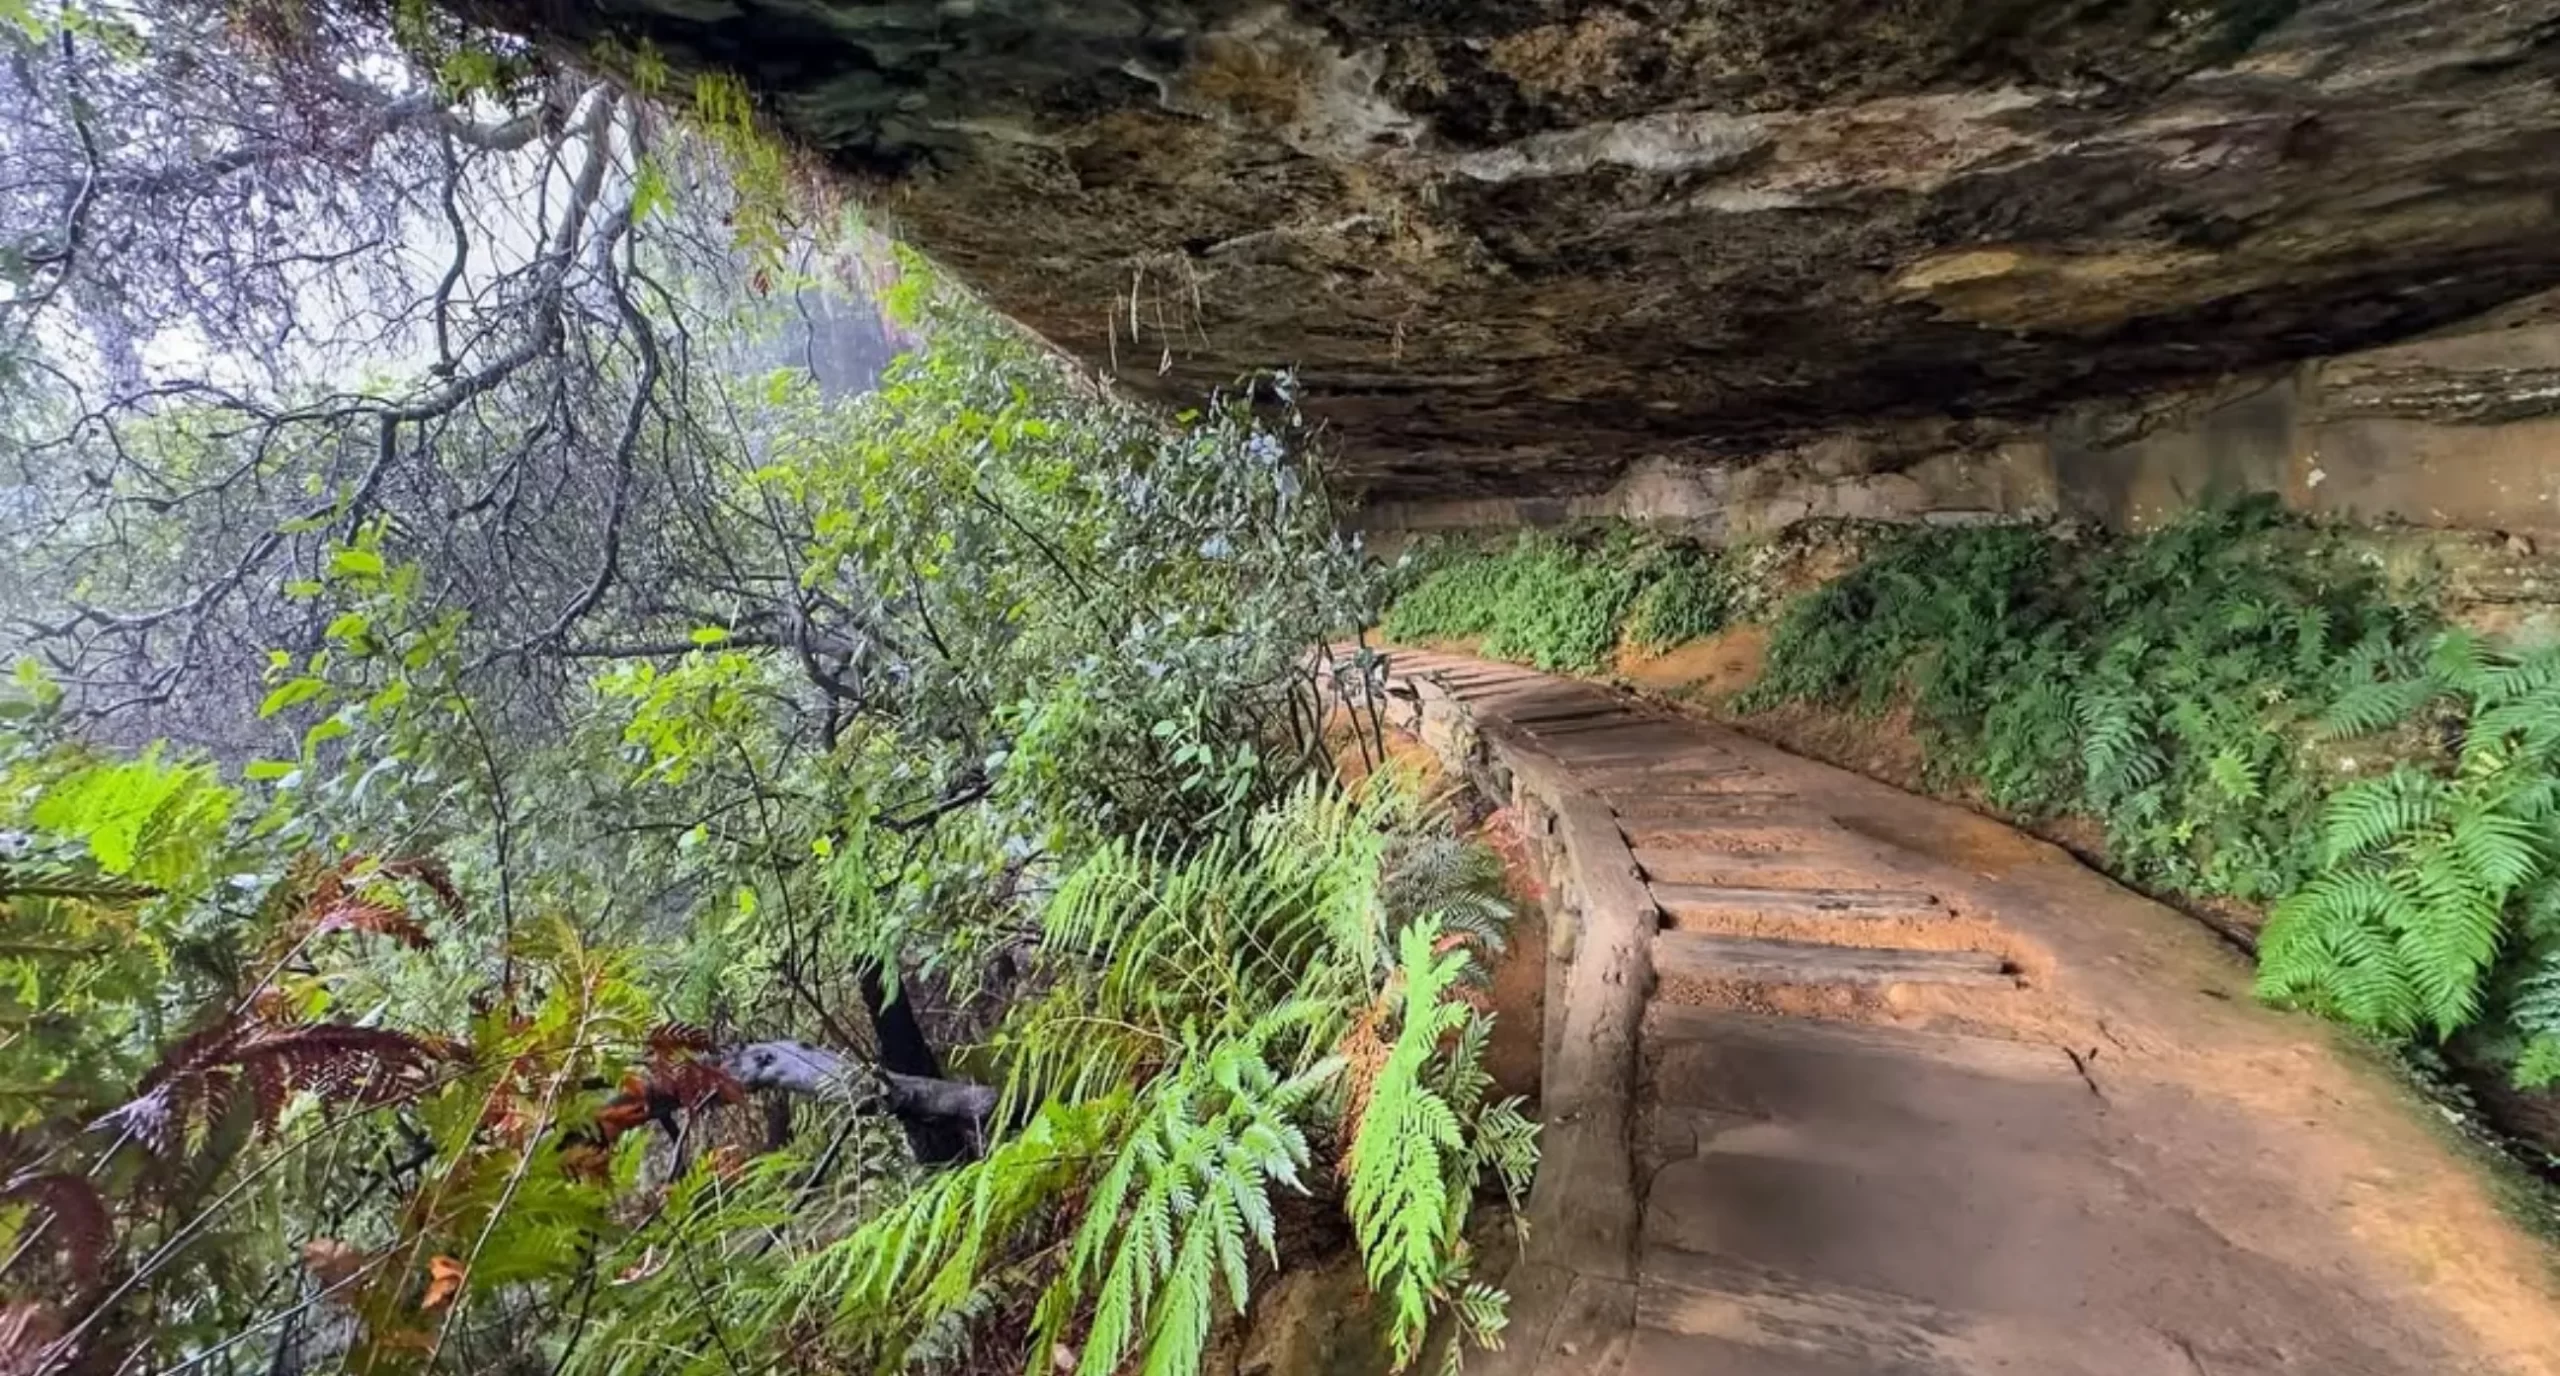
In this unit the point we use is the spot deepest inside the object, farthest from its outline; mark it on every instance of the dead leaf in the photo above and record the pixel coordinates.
(27, 1329)
(444, 1281)
(331, 1262)
(586, 1161)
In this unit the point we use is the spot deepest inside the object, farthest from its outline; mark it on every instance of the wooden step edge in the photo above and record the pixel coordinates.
(1699, 956)
(1636, 768)
(1664, 774)
(1671, 1024)
(1683, 899)
(1588, 728)
(1737, 804)
(1671, 780)
(1563, 716)
(1760, 837)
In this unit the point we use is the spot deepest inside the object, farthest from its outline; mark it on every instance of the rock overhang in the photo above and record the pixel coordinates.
(1512, 247)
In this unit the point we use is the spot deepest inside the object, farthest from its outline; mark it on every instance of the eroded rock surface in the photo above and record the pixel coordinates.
(1512, 245)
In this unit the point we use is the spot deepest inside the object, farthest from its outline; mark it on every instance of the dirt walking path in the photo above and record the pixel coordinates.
(1846, 1082)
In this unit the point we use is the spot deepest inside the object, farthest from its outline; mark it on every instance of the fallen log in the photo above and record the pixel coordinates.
(813, 1071)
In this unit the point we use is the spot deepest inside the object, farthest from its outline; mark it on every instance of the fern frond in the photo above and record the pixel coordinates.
(2364, 708)
(1405, 1146)
(2367, 814)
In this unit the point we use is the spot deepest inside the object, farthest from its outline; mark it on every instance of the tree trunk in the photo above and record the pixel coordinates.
(905, 1052)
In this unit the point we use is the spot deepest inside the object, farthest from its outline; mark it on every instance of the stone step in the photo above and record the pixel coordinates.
(1804, 832)
(1672, 780)
(1644, 755)
(1805, 1050)
(1655, 1352)
(1724, 1084)
(1462, 671)
(1490, 685)
(1820, 867)
(1679, 955)
(1708, 903)
(1670, 811)
(1565, 717)
(1771, 1321)
(1596, 729)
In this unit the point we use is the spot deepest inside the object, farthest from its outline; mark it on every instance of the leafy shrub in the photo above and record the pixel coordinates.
(1542, 600)
(1457, 596)
(2166, 685)
(1688, 594)
(2187, 689)
(1563, 604)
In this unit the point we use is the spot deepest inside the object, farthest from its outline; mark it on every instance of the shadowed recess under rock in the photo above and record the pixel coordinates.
(1513, 246)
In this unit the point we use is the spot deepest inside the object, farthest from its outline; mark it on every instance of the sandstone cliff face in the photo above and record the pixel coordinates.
(1513, 245)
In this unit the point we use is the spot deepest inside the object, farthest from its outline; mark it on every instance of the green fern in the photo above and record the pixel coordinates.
(2533, 1010)
(144, 819)
(2379, 685)
(1168, 1224)
(1407, 1146)
(2427, 873)
(1181, 1067)
(899, 1276)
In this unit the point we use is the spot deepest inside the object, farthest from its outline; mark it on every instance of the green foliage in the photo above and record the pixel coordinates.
(2167, 685)
(1170, 1221)
(2429, 874)
(105, 934)
(2192, 690)
(1688, 594)
(1002, 724)
(1423, 1139)
(1216, 1015)
(2534, 1012)
(1562, 603)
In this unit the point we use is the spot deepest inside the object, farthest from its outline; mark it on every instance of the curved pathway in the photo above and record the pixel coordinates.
(1845, 1082)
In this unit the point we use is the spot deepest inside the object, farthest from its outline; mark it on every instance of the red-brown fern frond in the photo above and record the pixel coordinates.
(202, 1074)
(164, 1103)
(683, 1066)
(693, 1084)
(357, 914)
(361, 1066)
(77, 1218)
(669, 1040)
(1364, 1052)
(431, 874)
(344, 897)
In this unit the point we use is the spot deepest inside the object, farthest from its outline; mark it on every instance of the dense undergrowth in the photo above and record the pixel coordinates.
(2239, 701)
(983, 982)
(1562, 603)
